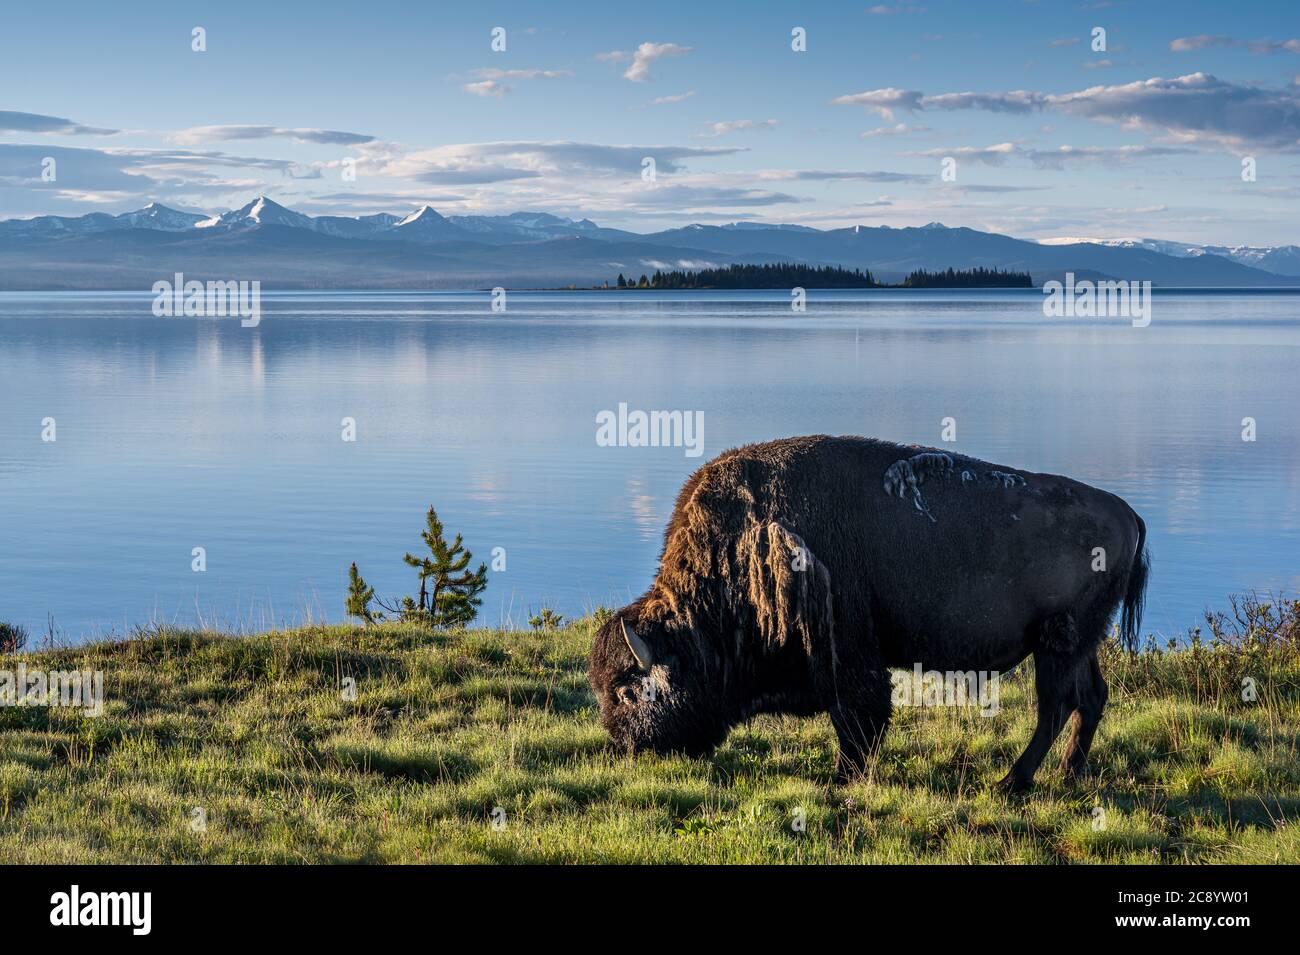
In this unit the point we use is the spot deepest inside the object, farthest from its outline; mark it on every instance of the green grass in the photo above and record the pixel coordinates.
(446, 728)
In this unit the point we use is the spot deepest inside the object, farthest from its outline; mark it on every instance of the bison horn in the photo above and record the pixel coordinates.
(644, 658)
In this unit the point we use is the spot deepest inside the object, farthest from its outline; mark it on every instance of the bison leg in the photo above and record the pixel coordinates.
(1054, 678)
(852, 685)
(860, 714)
(1090, 703)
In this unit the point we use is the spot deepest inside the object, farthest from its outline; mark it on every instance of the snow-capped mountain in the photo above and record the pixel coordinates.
(362, 227)
(764, 225)
(60, 225)
(260, 212)
(157, 216)
(527, 225)
(153, 216)
(1280, 260)
(425, 224)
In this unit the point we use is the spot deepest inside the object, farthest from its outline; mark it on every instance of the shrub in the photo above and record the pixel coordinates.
(548, 619)
(12, 637)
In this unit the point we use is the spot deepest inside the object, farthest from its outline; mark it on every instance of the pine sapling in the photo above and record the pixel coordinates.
(360, 595)
(449, 591)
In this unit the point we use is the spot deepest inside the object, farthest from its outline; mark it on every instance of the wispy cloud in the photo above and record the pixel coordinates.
(995, 155)
(642, 57)
(839, 175)
(486, 88)
(467, 163)
(674, 98)
(1188, 44)
(490, 81)
(732, 125)
(898, 129)
(885, 101)
(1000, 154)
(128, 174)
(1197, 107)
(197, 135)
(13, 122)
(496, 74)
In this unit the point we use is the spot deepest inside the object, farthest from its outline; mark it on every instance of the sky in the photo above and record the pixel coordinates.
(356, 108)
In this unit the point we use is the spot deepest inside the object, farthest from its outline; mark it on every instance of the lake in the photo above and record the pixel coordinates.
(176, 433)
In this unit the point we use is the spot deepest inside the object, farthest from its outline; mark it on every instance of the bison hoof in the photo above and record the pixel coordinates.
(1075, 770)
(847, 771)
(1012, 785)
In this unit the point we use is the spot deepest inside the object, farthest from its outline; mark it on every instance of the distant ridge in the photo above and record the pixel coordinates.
(425, 249)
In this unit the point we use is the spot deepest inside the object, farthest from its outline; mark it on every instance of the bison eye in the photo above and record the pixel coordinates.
(625, 695)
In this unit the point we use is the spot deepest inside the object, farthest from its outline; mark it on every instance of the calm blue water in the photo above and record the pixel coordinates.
(182, 433)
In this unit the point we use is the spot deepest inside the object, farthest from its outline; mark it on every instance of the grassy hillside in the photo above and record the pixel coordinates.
(446, 727)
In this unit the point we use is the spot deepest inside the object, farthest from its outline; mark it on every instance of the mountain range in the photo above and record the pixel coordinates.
(286, 249)
(1280, 259)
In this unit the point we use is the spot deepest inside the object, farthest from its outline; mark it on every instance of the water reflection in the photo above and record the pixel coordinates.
(176, 433)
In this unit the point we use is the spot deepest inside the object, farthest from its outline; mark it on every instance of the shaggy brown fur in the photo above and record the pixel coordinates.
(796, 573)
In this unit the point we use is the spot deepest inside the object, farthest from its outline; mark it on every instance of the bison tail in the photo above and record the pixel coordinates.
(1135, 597)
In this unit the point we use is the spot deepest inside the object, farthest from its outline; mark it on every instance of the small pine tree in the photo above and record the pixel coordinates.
(449, 592)
(360, 594)
(548, 619)
(644, 282)
(622, 282)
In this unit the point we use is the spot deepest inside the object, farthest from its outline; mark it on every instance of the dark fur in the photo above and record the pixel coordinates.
(912, 556)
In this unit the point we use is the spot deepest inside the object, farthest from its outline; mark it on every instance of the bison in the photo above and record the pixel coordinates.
(796, 573)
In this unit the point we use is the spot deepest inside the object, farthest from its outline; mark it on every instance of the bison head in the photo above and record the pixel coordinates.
(676, 670)
(653, 688)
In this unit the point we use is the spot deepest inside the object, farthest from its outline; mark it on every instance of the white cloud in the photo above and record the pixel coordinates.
(15, 122)
(1196, 108)
(487, 88)
(495, 74)
(196, 135)
(675, 98)
(996, 155)
(646, 54)
(1059, 158)
(732, 125)
(839, 175)
(1187, 44)
(488, 82)
(882, 101)
(477, 163)
(129, 175)
(885, 101)
(1016, 101)
(898, 129)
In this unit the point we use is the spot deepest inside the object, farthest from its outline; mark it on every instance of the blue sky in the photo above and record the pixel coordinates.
(1050, 137)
